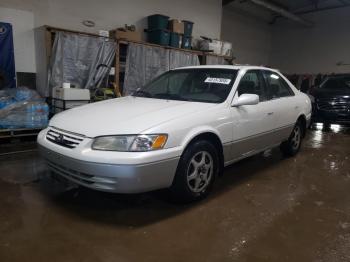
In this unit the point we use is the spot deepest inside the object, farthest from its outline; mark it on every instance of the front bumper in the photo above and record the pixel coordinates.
(332, 117)
(134, 178)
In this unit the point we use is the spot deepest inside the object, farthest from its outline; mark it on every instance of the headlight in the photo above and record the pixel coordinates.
(113, 143)
(132, 143)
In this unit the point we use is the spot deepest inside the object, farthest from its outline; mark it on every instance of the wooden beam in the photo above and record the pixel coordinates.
(116, 84)
(125, 41)
(57, 29)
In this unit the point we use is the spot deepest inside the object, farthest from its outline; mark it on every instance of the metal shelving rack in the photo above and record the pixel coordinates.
(48, 33)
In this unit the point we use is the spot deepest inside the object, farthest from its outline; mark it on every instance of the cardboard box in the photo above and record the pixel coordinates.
(176, 26)
(127, 35)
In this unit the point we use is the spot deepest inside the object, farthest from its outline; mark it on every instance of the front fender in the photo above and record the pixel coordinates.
(194, 132)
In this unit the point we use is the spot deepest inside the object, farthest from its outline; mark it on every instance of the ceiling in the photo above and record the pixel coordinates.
(297, 7)
(309, 5)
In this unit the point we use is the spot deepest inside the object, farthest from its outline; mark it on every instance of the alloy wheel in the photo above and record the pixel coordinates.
(296, 137)
(200, 171)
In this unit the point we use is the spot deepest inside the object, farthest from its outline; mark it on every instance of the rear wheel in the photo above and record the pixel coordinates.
(196, 172)
(292, 146)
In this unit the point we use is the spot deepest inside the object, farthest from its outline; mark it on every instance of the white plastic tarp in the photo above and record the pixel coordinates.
(81, 60)
(144, 63)
(180, 59)
(216, 60)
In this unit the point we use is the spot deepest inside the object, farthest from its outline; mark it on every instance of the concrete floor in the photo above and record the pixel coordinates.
(265, 208)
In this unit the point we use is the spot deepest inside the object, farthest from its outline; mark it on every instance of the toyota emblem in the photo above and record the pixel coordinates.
(60, 138)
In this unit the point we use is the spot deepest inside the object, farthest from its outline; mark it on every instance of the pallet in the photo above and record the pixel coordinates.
(21, 132)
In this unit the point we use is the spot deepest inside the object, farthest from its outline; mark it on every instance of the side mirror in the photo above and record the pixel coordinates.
(246, 99)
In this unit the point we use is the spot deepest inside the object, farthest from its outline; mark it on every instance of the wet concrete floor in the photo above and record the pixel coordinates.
(265, 208)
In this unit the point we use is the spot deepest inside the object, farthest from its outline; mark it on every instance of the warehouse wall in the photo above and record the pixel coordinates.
(109, 14)
(22, 24)
(251, 36)
(316, 49)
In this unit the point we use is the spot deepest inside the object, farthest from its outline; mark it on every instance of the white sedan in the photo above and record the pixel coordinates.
(177, 132)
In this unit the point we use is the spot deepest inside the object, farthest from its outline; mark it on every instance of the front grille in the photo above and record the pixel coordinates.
(63, 138)
(334, 105)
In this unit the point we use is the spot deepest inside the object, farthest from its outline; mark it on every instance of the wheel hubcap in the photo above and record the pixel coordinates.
(296, 138)
(200, 171)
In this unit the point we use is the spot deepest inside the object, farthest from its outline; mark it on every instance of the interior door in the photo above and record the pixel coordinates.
(252, 124)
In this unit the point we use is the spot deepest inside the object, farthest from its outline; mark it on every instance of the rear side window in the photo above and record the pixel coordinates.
(276, 86)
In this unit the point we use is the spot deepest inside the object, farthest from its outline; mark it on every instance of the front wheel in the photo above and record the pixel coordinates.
(292, 146)
(196, 172)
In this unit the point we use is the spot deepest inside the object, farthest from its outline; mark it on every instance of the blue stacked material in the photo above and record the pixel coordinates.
(22, 108)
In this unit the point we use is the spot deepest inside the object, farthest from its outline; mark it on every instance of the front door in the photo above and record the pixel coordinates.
(252, 124)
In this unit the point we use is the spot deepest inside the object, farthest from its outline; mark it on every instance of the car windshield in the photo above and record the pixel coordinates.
(337, 83)
(198, 85)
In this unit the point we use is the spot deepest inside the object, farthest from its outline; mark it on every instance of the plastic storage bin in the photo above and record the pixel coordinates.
(158, 21)
(186, 42)
(174, 40)
(188, 27)
(159, 37)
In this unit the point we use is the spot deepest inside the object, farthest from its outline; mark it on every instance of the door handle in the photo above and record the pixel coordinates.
(270, 113)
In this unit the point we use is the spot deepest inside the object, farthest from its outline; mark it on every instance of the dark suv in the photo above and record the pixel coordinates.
(332, 100)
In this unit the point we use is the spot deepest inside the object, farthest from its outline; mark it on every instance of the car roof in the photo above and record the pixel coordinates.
(235, 67)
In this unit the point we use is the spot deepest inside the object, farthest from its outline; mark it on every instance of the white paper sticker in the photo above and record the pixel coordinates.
(224, 81)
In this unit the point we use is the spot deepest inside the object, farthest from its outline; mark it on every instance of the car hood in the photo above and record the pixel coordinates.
(329, 93)
(127, 115)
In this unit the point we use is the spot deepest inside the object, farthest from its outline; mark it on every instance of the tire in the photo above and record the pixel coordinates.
(292, 146)
(196, 172)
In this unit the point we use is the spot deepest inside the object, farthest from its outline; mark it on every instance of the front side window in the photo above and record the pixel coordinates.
(251, 83)
(276, 86)
(197, 85)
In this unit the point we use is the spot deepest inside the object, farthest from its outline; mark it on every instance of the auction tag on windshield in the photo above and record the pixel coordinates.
(224, 81)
